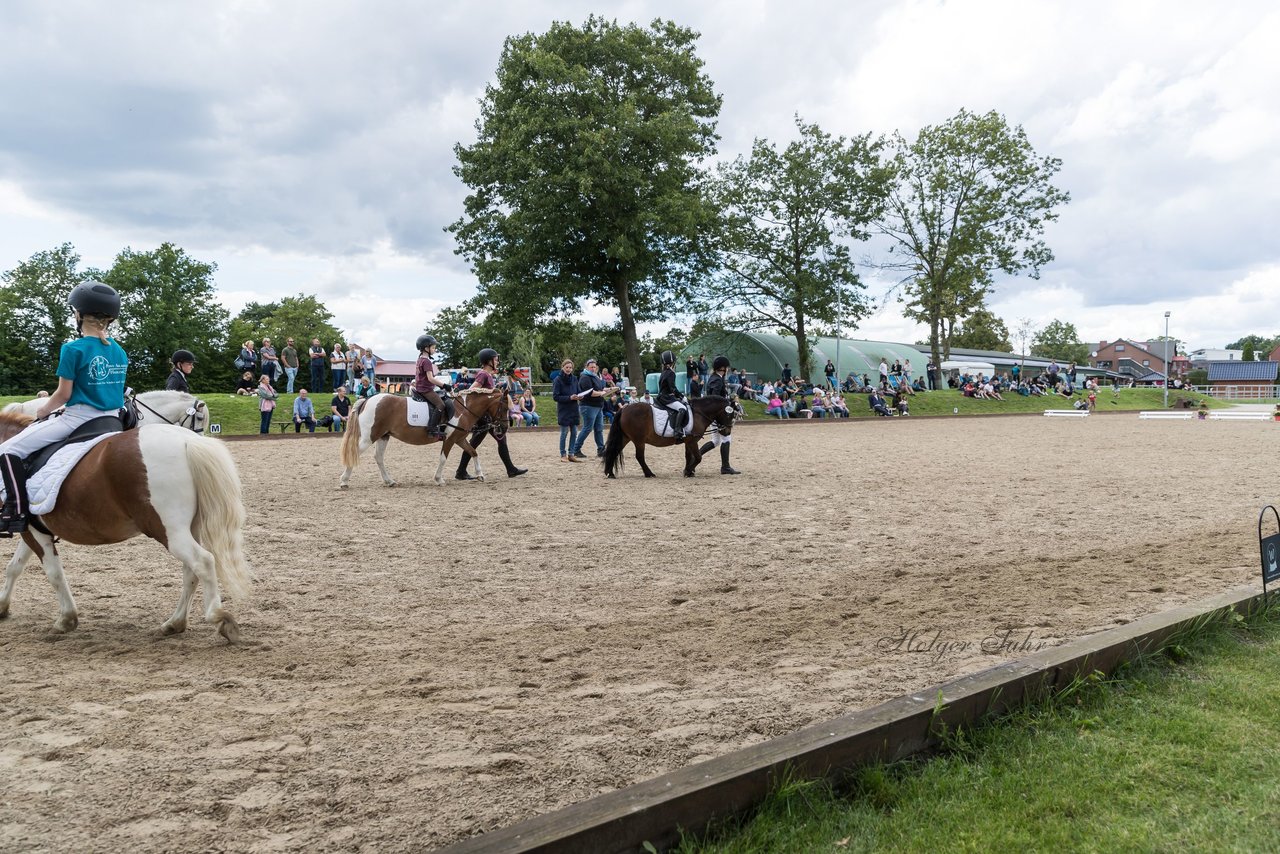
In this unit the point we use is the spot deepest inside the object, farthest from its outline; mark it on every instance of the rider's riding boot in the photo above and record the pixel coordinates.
(504, 454)
(13, 518)
(677, 424)
(442, 416)
(725, 468)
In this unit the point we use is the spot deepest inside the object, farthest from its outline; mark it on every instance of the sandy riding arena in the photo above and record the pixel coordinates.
(423, 663)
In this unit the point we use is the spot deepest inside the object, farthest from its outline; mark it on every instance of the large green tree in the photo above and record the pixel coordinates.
(585, 181)
(168, 301)
(1261, 343)
(971, 198)
(788, 220)
(35, 320)
(1060, 340)
(982, 330)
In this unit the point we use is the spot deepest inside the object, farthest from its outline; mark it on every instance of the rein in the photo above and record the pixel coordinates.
(181, 422)
(483, 421)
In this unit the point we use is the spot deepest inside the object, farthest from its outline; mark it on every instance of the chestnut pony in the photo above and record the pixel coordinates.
(634, 423)
(167, 482)
(383, 416)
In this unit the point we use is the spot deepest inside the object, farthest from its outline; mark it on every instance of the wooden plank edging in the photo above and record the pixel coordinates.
(692, 797)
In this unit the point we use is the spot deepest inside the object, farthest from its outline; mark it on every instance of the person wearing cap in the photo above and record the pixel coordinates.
(718, 386)
(91, 374)
(488, 359)
(669, 397)
(427, 379)
(184, 361)
(591, 399)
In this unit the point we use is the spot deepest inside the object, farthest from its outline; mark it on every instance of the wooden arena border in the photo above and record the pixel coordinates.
(689, 799)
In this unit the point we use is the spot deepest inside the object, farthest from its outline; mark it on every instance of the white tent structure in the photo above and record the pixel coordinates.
(969, 366)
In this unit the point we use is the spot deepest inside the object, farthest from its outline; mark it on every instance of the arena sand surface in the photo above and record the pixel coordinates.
(424, 664)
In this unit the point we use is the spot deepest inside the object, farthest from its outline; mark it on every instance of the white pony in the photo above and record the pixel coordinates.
(154, 407)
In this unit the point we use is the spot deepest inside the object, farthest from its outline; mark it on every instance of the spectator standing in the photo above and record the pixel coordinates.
(906, 371)
(318, 358)
(248, 358)
(884, 371)
(338, 366)
(270, 361)
(564, 391)
(289, 361)
(690, 371)
(340, 408)
(829, 370)
(591, 401)
(704, 370)
(786, 372)
(370, 364)
(266, 403)
(931, 371)
(304, 412)
(352, 358)
(695, 385)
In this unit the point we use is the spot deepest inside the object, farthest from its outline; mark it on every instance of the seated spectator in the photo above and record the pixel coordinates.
(247, 384)
(818, 408)
(340, 409)
(900, 400)
(515, 415)
(364, 387)
(919, 385)
(876, 402)
(304, 412)
(776, 406)
(529, 409)
(839, 407)
(990, 391)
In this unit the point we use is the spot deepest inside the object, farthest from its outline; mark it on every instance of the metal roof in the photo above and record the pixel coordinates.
(1261, 371)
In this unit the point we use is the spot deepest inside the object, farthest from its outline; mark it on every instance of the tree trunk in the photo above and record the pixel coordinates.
(935, 351)
(804, 359)
(630, 343)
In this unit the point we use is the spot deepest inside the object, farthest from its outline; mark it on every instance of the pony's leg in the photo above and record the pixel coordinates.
(68, 618)
(640, 459)
(198, 561)
(444, 457)
(177, 624)
(379, 452)
(11, 573)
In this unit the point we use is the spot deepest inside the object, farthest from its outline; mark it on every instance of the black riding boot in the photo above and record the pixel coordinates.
(725, 468)
(474, 440)
(13, 518)
(504, 454)
(677, 424)
(706, 447)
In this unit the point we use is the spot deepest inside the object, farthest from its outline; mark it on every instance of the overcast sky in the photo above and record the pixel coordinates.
(307, 146)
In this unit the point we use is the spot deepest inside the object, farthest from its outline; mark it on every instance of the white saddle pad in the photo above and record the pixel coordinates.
(661, 420)
(418, 411)
(42, 489)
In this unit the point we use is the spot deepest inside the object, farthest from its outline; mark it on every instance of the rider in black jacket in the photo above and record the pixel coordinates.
(183, 362)
(669, 394)
(718, 387)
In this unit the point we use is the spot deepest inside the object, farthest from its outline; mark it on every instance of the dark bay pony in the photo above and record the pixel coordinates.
(634, 423)
(379, 418)
(167, 482)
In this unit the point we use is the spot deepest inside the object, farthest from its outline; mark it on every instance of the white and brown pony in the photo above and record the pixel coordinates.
(176, 487)
(379, 418)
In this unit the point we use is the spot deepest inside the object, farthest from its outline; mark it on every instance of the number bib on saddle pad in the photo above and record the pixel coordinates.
(661, 419)
(418, 412)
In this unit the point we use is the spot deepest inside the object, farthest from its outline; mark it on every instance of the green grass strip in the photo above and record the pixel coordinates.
(1180, 751)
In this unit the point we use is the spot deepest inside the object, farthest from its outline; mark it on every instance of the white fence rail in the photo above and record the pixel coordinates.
(1235, 392)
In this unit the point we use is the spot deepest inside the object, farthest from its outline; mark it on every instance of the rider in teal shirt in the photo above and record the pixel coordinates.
(91, 373)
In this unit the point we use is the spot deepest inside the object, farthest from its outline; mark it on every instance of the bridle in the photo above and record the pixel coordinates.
(192, 415)
(483, 420)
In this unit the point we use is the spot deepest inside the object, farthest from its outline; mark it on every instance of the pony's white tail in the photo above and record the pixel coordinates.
(219, 521)
(351, 438)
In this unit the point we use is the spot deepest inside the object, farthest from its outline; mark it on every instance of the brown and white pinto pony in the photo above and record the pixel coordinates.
(176, 487)
(379, 418)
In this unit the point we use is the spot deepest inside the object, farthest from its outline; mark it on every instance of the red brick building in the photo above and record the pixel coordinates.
(1135, 358)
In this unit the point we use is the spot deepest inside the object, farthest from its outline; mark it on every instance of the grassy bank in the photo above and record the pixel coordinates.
(1181, 752)
(238, 415)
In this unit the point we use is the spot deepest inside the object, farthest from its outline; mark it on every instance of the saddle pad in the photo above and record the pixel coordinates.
(660, 419)
(418, 412)
(42, 488)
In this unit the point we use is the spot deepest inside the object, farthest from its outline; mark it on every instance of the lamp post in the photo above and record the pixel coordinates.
(1165, 353)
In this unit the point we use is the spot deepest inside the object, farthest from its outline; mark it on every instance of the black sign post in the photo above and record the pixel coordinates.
(1269, 547)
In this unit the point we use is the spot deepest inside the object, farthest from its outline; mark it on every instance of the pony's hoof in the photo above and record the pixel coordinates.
(391, 483)
(480, 478)
(173, 627)
(228, 629)
(611, 476)
(4, 611)
(342, 486)
(67, 623)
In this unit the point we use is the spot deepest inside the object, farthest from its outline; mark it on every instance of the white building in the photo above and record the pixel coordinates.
(1202, 357)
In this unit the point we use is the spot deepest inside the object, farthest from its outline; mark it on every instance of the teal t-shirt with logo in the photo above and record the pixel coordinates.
(97, 370)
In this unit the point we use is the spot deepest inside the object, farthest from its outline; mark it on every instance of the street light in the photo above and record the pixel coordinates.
(1166, 360)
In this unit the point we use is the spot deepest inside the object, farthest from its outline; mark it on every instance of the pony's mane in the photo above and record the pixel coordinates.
(15, 418)
(163, 394)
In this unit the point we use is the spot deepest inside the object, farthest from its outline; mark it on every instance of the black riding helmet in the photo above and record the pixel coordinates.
(180, 356)
(425, 341)
(668, 358)
(720, 362)
(487, 355)
(95, 298)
